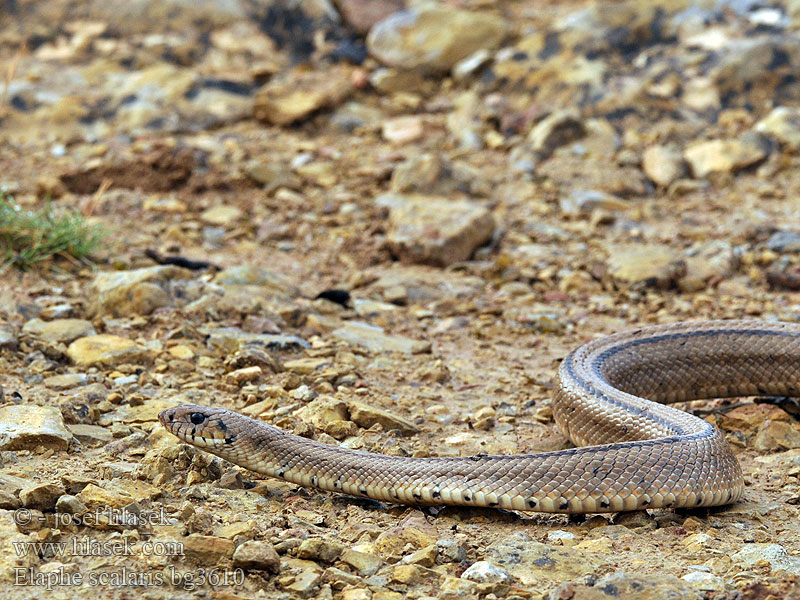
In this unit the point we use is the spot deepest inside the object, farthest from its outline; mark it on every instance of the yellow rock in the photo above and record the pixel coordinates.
(95, 497)
(406, 574)
(106, 349)
(221, 215)
(208, 549)
(26, 427)
(182, 352)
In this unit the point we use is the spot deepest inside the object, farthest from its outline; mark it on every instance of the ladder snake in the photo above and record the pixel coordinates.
(634, 451)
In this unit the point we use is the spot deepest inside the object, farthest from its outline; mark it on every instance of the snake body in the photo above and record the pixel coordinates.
(610, 399)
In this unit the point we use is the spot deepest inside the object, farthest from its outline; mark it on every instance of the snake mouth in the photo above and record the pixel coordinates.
(167, 418)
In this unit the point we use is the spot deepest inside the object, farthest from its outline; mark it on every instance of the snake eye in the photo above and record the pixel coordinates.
(197, 417)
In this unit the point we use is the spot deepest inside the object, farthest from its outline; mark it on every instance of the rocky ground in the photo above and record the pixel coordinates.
(492, 183)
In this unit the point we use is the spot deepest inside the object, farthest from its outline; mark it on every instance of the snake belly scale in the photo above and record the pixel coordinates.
(634, 451)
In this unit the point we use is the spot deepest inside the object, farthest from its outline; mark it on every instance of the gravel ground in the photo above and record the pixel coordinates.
(382, 230)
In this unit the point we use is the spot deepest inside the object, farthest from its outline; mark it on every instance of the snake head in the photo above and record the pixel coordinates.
(198, 425)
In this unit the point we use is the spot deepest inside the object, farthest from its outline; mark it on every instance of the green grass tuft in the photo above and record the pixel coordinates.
(29, 237)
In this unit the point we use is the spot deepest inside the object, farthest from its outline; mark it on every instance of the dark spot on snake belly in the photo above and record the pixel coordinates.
(467, 498)
(493, 504)
(604, 504)
(532, 502)
(436, 494)
(281, 473)
(363, 491)
(417, 495)
(314, 480)
(699, 501)
(645, 502)
(563, 506)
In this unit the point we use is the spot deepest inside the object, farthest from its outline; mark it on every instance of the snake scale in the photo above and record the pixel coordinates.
(611, 397)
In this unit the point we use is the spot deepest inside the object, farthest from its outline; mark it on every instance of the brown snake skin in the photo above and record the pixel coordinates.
(636, 453)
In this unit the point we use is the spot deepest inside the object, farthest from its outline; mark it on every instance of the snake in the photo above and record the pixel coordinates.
(612, 396)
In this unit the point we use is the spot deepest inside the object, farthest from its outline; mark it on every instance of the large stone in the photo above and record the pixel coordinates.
(66, 381)
(434, 39)
(630, 587)
(714, 260)
(663, 164)
(137, 292)
(26, 427)
(294, 97)
(300, 577)
(777, 435)
(418, 173)
(91, 434)
(531, 562)
(569, 171)
(208, 549)
(106, 349)
(254, 275)
(485, 572)
(41, 496)
(782, 123)
(327, 414)
(366, 416)
(403, 130)
(320, 549)
(364, 563)
(58, 330)
(413, 533)
(256, 555)
(375, 340)
(725, 156)
(744, 62)
(223, 215)
(434, 230)
(784, 241)
(96, 497)
(10, 487)
(647, 264)
(705, 582)
(752, 555)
